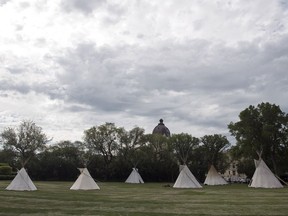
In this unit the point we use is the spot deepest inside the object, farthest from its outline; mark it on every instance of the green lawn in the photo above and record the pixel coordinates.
(55, 198)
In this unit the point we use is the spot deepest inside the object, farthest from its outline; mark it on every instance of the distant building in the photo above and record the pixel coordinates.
(232, 175)
(161, 129)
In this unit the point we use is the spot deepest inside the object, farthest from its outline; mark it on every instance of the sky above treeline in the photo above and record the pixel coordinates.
(69, 65)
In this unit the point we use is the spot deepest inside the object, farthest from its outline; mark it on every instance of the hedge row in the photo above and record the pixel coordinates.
(7, 177)
(5, 170)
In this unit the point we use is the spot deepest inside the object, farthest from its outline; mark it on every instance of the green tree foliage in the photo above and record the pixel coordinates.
(158, 163)
(157, 142)
(130, 144)
(70, 152)
(130, 153)
(263, 128)
(8, 156)
(98, 170)
(183, 144)
(5, 169)
(6, 172)
(58, 162)
(26, 140)
(109, 152)
(213, 147)
(105, 140)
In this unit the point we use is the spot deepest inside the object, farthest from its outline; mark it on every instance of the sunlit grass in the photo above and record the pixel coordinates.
(55, 198)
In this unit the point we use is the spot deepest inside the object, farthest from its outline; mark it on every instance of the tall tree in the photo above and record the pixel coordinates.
(157, 163)
(158, 143)
(263, 128)
(130, 142)
(104, 140)
(129, 152)
(214, 146)
(58, 162)
(25, 140)
(73, 153)
(182, 145)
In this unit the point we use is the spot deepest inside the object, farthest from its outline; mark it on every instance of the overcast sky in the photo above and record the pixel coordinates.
(69, 65)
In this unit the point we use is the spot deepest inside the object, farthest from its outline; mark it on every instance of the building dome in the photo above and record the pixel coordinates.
(161, 129)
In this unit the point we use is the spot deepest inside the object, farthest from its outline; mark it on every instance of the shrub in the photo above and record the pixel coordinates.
(7, 177)
(5, 170)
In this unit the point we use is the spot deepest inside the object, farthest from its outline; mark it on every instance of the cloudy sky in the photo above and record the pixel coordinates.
(69, 65)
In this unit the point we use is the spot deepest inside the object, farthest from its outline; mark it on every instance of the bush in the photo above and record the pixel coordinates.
(5, 170)
(3, 164)
(7, 177)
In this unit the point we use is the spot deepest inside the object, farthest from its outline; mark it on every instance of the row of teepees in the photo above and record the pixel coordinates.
(262, 178)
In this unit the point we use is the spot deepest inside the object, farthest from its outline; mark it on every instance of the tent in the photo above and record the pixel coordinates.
(21, 182)
(134, 177)
(214, 178)
(263, 177)
(186, 179)
(84, 181)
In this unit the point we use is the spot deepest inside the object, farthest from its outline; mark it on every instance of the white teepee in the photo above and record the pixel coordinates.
(84, 181)
(263, 177)
(214, 178)
(134, 177)
(186, 179)
(21, 182)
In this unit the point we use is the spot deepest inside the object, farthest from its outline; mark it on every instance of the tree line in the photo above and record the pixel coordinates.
(110, 152)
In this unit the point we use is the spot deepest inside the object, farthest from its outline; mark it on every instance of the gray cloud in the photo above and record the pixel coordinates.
(10, 86)
(153, 81)
(284, 4)
(195, 64)
(82, 6)
(3, 2)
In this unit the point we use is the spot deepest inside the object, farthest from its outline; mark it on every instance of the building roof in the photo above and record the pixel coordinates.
(161, 129)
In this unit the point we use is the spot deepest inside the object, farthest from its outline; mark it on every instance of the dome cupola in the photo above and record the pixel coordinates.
(161, 129)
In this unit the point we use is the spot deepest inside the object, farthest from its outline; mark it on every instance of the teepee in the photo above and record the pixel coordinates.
(84, 181)
(186, 179)
(134, 177)
(214, 178)
(263, 176)
(21, 182)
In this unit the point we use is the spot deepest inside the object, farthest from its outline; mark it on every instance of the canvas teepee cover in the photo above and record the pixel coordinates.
(84, 181)
(21, 182)
(214, 178)
(263, 177)
(134, 177)
(186, 179)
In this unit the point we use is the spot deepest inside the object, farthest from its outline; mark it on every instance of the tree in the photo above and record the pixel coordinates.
(8, 156)
(214, 146)
(157, 159)
(129, 152)
(104, 140)
(182, 145)
(264, 129)
(130, 142)
(157, 142)
(70, 152)
(26, 140)
(58, 162)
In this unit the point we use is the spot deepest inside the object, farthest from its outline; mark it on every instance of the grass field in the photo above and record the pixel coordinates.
(55, 198)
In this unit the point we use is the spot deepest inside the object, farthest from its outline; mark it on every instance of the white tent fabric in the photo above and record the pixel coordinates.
(186, 179)
(84, 181)
(263, 177)
(21, 182)
(214, 178)
(134, 177)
